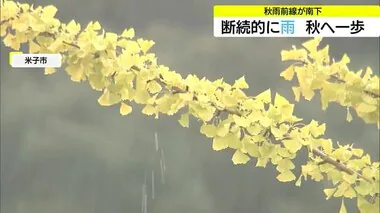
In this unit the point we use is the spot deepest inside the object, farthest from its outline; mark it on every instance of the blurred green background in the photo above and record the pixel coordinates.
(61, 152)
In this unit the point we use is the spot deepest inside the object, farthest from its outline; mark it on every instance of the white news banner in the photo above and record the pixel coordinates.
(296, 27)
(36, 60)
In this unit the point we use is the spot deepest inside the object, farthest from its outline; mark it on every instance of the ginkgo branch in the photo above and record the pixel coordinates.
(266, 130)
(339, 80)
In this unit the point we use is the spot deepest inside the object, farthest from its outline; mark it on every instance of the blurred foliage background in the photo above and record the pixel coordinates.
(61, 152)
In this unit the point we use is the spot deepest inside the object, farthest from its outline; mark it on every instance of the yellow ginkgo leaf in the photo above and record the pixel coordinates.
(286, 176)
(240, 158)
(287, 112)
(209, 130)
(99, 45)
(234, 140)
(223, 129)
(11, 41)
(349, 193)
(312, 44)
(108, 99)
(49, 70)
(288, 73)
(366, 207)
(228, 100)
(76, 72)
(241, 83)
(329, 193)
(277, 133)
(265, 96)
(96, 26)
(219, 143)
(345, 60)
(128, 33)
(154, 87)
(297, 93)
(323, 55)
(365, 108)
(299, 181)
(73, 27)
(145, 45)
(251, 148)
(125, 109)
(255, 129)
(284, 165)
(56, 45)
(318, 130)
(280, 100)
(142, 97)
(111, 38)
(149, 110)
(283, 152)
(49, 11)
(131, 47)
(349, 116)
(241, 121)
(33, 47)
(369, 99)
(205, 114)
(97, 81)
(262, 162)
(292, 145)
(357, 152)
(343, 208)
(295, 54)
(266, 122)
(184, 120)
(327, 146)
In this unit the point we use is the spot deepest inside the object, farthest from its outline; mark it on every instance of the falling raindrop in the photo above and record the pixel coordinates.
(156, 157)
(146, 202)
(153, 184)
(163, 159)
(156, 140)
(143, 199)
(162, 172)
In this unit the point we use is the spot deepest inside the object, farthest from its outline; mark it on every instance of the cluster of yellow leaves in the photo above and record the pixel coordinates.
(255, 127)
(315, 71)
